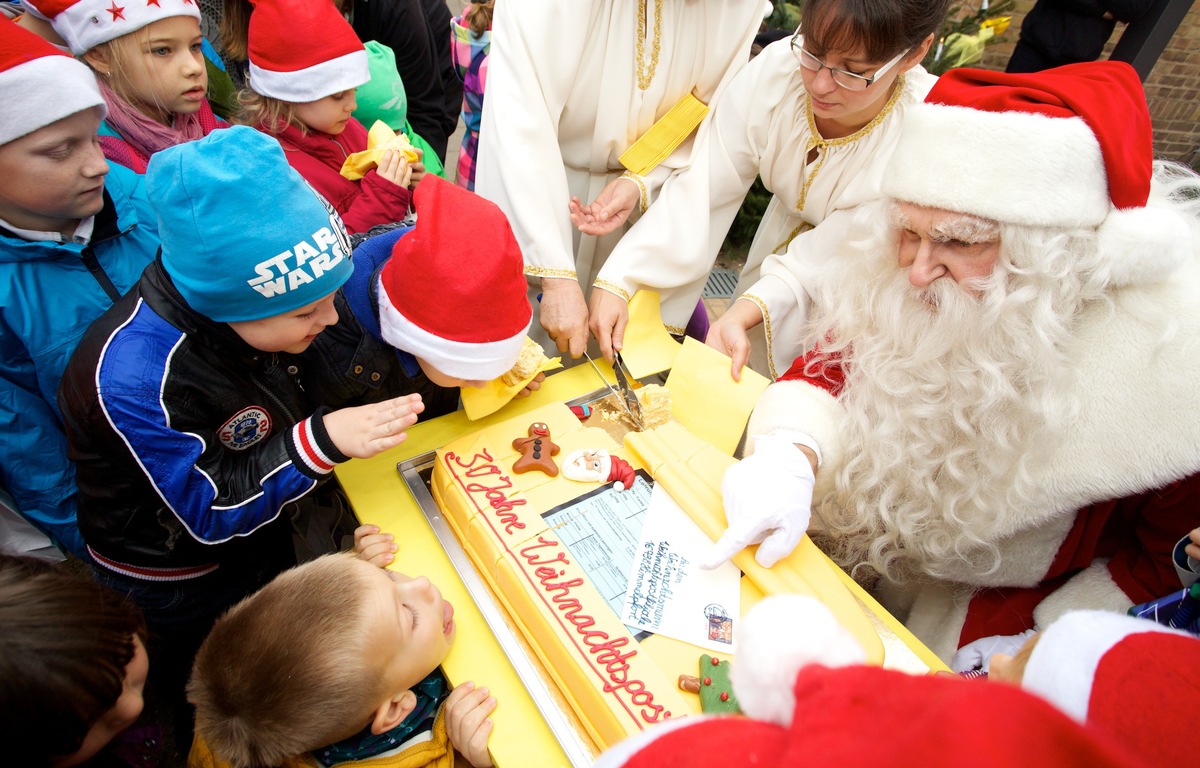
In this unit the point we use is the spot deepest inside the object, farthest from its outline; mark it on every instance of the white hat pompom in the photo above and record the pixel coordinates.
(781, 635)
(1143, 245)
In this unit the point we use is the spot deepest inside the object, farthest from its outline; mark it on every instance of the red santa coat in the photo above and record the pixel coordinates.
(1121, 487)
(318, 157)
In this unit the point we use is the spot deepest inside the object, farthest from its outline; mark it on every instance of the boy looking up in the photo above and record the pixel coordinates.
(358, 683)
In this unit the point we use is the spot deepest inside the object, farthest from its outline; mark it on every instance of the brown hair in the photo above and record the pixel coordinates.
(265, 112)
(480, 18)
(235, 29)
(65, 641)
(882, 27)
(284, 672)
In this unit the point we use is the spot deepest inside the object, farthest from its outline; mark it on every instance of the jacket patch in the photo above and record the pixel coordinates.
(245, 428)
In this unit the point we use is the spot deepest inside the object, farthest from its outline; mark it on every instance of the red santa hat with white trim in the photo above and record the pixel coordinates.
(851, 714)
(303, 50)
(1066, 147)
(454, 293)
(31, 70)
(605, 468)
(1133, 678)
(84, 24)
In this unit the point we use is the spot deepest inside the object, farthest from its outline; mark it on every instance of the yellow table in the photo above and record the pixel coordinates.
(521, 735)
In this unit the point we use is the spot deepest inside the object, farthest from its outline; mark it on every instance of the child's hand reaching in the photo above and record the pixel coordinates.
(393, 167)
(374, 546)
(532, 386)
(418, 168)
(467, 723)
(366, 430)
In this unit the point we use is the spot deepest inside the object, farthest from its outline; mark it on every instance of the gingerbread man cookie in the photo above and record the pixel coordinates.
(536, 451)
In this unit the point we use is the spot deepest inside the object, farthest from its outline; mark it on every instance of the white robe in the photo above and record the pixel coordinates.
(760, 127)
(563, 104)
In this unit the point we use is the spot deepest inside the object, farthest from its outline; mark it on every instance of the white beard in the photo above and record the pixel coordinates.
(950, 397)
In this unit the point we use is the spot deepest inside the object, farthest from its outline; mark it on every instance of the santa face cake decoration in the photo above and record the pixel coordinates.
(596, 465)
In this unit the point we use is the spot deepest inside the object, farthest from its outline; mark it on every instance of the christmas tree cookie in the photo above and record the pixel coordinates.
(713, 685)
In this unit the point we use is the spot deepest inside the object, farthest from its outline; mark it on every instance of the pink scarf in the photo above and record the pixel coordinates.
(143, 133)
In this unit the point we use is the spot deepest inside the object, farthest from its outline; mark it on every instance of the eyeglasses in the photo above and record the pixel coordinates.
(847, 80)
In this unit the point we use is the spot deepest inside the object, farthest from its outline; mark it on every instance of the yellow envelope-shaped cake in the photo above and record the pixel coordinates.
(649, 347)
(706, 399)
(616, 684)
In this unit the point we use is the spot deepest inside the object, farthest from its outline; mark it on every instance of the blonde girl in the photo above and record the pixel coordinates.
(305, 64)
(147, 59)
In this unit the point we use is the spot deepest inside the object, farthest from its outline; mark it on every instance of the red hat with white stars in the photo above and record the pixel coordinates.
(454, 293)
(303, 50)
(84, 24)
(30, 68)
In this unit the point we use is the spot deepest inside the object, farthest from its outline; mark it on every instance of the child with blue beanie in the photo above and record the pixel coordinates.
(198, 414)
(75, 234)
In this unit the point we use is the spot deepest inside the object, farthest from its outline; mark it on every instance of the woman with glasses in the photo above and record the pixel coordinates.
(816, 117)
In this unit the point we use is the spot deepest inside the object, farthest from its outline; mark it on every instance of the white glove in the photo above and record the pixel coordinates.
(768, 499)
(978, 654)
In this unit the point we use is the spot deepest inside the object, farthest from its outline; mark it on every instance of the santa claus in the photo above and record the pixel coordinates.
(998, 420)
(596, 465)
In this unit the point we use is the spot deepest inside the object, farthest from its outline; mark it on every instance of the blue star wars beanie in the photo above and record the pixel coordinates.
(244, 237)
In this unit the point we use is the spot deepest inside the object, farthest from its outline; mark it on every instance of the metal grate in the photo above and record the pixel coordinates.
(720, 285)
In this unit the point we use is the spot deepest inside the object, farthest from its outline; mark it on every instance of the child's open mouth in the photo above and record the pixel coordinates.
(447, 618)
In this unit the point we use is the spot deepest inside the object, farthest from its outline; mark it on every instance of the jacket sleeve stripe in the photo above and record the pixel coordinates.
(132, 399)
(307, 450)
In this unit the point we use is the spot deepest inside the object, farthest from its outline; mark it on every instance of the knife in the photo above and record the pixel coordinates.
(620, 393)
(631, 401)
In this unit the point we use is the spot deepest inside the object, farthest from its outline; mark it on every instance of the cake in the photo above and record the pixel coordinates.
(655, 402)
(614, 687)
(528, 363)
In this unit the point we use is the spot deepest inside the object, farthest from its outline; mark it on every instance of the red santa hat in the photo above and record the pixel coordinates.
(1130, 677)
(84, 24)
(1065, 147)
(866, 716)
(32, 69)
(303, 50)
(453, 292)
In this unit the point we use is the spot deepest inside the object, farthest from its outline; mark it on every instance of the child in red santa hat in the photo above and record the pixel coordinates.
(147, 58)
(839, 712)
(1130, 677)
(453, 307)
(305, 63)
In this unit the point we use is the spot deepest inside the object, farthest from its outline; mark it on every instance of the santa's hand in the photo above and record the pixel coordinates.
(978, 654)
(768, 499)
